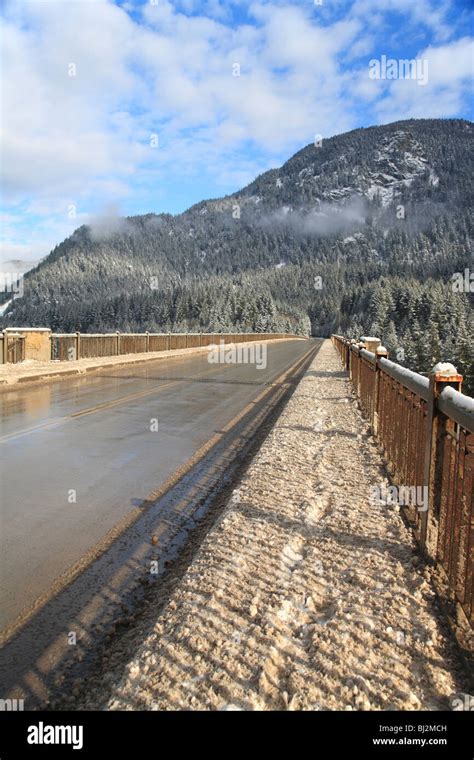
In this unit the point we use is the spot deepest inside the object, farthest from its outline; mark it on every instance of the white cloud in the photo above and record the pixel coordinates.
(450, 72)
(429, 14)
(85, 139)
(171, 76)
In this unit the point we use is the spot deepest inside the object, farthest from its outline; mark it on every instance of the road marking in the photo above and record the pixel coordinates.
(92, 410)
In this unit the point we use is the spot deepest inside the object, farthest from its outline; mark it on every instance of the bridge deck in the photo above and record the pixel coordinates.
(308, 594)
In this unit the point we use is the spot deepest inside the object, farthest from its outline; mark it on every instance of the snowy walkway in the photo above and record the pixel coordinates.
(305, 595)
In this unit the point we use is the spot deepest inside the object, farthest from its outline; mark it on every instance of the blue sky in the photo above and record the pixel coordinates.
(135, 107)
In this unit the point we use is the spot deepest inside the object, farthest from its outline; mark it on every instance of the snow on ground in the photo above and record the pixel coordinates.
(305, 595)
(5, 306)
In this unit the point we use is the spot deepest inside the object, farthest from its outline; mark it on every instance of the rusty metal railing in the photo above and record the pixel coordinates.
(63, 347)
(366, 382)
(453, 504)
(12, 347)
(425, 428)
(92, 345)
(72, 346)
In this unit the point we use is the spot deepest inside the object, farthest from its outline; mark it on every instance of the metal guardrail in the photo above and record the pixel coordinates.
(12, 348)
(425, 427)
(406, 377)
(72, 346)
(457, 406)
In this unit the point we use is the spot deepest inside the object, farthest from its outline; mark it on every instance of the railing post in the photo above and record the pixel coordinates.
(5, 347)
(442, 375)
(147, 342)
(380, 353)
(355, 374)
(117, 347)
(78, 344)
(370, 343)
(351, 374)
(359, 366)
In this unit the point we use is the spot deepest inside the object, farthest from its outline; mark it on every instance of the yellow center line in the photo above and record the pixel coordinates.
(108, 404)
(99, 407)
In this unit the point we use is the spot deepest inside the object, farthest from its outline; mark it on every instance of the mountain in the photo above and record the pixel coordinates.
(360, 234)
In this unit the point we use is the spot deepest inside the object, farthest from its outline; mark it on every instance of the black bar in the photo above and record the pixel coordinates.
(156, 734)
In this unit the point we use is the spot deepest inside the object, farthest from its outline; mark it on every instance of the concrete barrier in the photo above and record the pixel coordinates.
(37, 341)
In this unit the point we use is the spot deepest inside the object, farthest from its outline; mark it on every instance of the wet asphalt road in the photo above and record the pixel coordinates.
(79, 455)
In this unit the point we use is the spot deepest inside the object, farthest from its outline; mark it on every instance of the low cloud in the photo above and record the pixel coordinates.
(108, 223)
(324, 219)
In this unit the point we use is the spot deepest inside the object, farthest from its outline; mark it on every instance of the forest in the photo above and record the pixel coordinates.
(370, 232)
